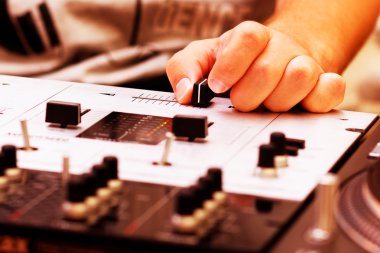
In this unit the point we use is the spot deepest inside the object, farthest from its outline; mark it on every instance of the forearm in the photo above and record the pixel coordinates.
(332, 31)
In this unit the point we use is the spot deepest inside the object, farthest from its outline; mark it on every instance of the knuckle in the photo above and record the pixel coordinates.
(301, 71)
(264, 70)
(305, 73)
(251, 33)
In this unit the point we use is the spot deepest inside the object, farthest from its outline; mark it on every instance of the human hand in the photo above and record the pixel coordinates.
(261, 66)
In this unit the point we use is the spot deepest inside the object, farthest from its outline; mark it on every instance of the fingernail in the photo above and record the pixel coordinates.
(181, 89)
(217, 86)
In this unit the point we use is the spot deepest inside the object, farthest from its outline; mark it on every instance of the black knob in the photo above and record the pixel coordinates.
(111, 163)
(291, 151)
(185, 202)
(266, 156)
(90, 181)
(298, 143)
(2, 165)
(215, 174)
(76, 189)
(197, 196)
(263, 205)
(278, 139)
(9, 155)
(101, 175)
(206, 186)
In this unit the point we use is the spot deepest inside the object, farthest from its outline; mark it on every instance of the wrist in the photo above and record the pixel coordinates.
(321, 49)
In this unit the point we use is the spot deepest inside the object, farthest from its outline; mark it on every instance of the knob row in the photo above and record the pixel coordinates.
(92, 195)
(201, 206)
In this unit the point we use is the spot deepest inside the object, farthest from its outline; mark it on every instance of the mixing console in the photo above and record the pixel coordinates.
(91, 168)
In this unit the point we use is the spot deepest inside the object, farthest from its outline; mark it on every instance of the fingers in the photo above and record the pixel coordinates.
(236, 51)
(327, 93)
(302, 81)
(264, 74)
(301, 75)
(226, 59)
(262, 66)
(190, 65)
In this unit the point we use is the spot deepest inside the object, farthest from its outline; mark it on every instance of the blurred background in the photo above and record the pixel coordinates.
(103, 48)
(363, 77)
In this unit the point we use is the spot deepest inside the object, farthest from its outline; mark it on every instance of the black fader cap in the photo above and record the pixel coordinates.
(63, 113)
(190, 126)
(202, 94)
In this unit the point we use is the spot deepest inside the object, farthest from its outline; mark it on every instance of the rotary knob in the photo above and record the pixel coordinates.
(266, 160)
(278, 139)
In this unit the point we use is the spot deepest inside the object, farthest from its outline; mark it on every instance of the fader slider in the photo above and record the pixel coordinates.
(190, 126)
(202, 94)
(63, 113)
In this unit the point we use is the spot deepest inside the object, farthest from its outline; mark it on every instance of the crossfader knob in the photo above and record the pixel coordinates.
(202, 94)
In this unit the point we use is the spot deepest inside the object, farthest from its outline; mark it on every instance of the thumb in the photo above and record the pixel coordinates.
(190, 65)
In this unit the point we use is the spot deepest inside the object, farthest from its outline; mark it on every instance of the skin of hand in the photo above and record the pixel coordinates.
(270, 64)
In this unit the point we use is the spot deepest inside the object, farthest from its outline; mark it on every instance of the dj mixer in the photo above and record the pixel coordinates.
(92, 168)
